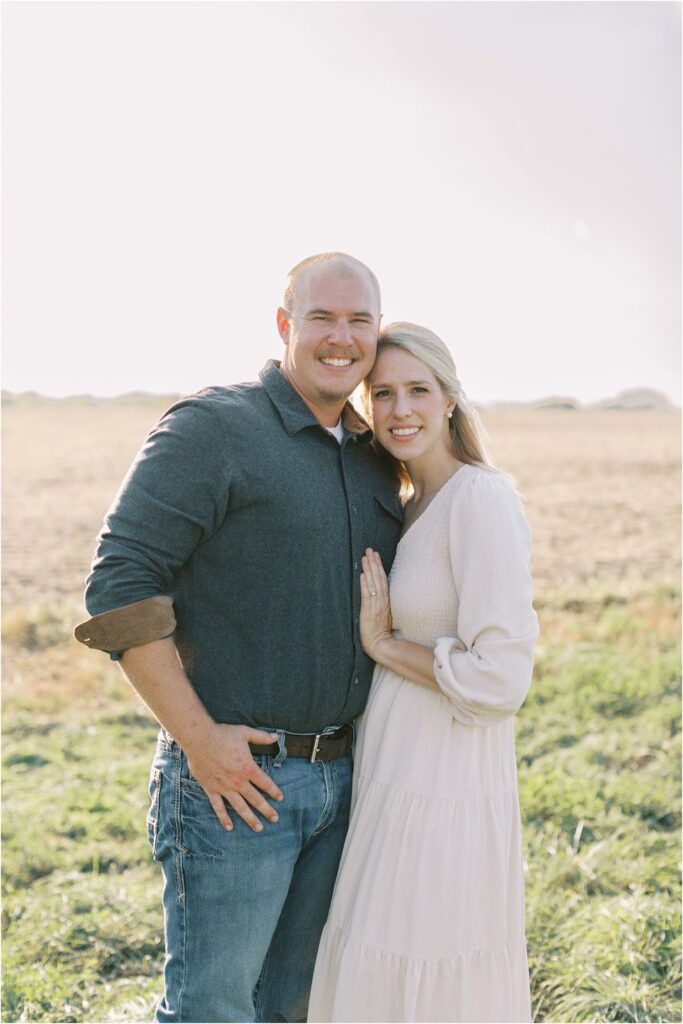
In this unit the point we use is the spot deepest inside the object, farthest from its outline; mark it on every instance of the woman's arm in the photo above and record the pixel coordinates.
(484, 668)
(412, 661)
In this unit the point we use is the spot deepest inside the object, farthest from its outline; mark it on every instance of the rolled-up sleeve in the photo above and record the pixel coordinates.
(174, 496)
(485, 668)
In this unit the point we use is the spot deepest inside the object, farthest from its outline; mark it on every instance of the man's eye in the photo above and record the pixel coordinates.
(319, 316)
(361, 322)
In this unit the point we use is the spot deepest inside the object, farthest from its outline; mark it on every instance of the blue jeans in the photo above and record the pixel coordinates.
(243, 911)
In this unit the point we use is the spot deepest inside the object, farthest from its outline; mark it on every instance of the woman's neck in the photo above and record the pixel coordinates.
(428, 475)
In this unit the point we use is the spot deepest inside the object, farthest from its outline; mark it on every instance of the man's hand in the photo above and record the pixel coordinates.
(224, 767)
(219, 756)
(375, 610)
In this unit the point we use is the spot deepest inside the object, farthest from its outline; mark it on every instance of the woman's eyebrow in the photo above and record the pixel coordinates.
(410, 384)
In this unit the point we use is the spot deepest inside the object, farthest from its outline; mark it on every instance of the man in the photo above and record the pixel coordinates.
(227, 572)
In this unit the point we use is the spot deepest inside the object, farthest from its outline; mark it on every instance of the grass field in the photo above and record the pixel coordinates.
(598, 739)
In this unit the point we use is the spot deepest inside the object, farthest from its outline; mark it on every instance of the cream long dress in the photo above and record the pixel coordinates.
(427, 918)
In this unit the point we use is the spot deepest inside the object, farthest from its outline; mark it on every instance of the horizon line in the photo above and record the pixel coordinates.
(569, 401)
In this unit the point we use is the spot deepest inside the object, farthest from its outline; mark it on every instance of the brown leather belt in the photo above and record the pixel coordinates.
(321, 747)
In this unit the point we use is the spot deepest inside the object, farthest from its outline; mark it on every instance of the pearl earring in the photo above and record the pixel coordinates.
(450, 415)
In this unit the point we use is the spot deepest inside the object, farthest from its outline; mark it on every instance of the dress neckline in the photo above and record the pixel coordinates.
(444, 485)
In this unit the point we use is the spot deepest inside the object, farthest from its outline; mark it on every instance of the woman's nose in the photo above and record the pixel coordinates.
(402, 405)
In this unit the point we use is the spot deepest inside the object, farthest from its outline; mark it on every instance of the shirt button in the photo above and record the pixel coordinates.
(356, 681)
(355, 565)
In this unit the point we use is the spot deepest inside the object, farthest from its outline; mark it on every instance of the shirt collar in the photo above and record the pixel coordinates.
(294, 412)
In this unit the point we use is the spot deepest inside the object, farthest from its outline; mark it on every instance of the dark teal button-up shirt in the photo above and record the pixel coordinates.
(253, 518)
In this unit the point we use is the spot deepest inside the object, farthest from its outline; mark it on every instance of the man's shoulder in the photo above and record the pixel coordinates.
(224, 400)
(225, 396)
(216, 414)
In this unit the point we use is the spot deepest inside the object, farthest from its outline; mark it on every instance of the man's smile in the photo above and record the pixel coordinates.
(335, 361)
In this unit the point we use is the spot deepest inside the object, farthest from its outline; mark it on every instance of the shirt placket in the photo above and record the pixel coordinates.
(358, 533)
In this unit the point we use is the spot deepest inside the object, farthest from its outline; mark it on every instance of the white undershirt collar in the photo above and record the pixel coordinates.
(337, 430)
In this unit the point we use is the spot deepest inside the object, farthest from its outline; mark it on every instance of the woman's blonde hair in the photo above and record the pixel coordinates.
(468, 436)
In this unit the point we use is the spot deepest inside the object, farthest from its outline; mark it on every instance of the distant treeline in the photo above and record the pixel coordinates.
(631, 400)
(129, 398)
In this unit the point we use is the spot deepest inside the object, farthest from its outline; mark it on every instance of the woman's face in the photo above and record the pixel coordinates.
(409, 409)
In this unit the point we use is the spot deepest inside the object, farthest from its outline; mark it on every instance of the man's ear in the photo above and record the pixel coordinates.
(283, 324)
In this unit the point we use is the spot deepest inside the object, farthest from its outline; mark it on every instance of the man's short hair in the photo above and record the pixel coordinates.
(348, 265)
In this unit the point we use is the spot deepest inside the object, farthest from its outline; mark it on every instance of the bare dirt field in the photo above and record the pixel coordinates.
(602, 491)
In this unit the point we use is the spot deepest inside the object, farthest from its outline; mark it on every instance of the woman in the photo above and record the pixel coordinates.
(427, 919)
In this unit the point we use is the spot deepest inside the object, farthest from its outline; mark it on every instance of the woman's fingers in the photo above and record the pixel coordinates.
(377, 580)
(381, 575)
(368, 582)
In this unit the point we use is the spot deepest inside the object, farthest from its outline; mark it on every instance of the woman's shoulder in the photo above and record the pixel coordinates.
(483, 491)
(482, 481)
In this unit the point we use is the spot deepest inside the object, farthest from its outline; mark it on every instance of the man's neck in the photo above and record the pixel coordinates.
(327, 415)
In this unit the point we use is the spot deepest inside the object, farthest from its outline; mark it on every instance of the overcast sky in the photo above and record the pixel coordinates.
(511, 172)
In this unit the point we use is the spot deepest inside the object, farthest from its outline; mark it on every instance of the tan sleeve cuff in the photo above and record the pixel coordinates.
(130, 626)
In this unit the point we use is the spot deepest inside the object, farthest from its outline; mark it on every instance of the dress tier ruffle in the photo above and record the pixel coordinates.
(373, 985)
(427, 918)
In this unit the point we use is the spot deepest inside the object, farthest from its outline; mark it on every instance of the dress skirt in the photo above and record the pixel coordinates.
(427, 918)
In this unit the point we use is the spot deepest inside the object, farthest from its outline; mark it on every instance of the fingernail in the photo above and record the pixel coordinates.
(228, 828)
(259, 828)
(274, 817)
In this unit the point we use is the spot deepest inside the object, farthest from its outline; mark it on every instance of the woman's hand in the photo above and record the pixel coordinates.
(375, 610)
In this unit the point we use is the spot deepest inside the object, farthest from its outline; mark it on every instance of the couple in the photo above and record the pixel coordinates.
(241, 579)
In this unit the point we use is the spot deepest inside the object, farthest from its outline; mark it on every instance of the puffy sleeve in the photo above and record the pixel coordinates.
(174, 497)
(485, 669)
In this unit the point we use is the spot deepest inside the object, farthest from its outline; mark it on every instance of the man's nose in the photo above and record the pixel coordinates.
(341, 331)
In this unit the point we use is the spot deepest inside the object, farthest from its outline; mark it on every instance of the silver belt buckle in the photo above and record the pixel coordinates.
(316, 745)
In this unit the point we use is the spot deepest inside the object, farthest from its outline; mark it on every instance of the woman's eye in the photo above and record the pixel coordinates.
(420, 391)
(381, 394)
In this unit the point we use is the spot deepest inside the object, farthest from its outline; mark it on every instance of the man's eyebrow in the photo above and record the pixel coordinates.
(328, 312)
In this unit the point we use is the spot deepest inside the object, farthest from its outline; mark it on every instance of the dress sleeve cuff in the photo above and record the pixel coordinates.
(129, 626)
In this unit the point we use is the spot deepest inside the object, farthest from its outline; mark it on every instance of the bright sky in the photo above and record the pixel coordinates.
(510, 171)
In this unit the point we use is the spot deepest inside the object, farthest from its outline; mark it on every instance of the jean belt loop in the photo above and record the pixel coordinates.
(282, 749)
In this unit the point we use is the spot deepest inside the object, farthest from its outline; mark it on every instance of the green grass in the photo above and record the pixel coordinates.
(599, 770)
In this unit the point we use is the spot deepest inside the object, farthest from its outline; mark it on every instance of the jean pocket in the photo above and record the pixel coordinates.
(153, 813)
(202, 833)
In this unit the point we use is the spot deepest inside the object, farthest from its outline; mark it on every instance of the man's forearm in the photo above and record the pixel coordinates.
(155, 671)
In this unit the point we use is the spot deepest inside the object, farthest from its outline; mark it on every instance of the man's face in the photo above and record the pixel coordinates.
(330, 334)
